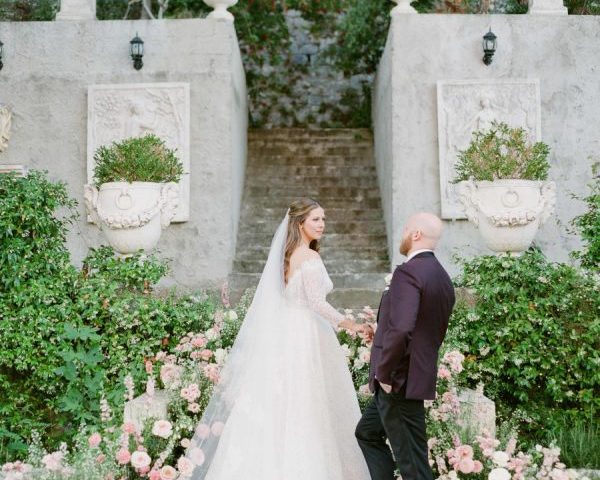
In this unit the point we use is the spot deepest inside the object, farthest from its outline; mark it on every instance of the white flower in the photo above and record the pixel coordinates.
(231, 315)
(220, 356)
(140, 459)
(500, 458)
(358, 364)
(347, 352)
(168, 473)
(499, 474)
(185, 467)
(162, 428)
(212, 333)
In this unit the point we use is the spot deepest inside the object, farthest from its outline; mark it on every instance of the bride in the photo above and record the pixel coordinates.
(285, 407)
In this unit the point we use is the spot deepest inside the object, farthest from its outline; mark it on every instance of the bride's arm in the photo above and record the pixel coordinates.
(314, 288)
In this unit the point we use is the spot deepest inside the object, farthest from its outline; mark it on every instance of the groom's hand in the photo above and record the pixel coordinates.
(385, 387)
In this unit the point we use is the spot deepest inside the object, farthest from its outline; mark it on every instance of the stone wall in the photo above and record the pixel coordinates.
(561, 52)
(48, 67)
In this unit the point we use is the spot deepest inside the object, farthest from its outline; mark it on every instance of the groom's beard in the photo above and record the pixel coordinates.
(406, 245)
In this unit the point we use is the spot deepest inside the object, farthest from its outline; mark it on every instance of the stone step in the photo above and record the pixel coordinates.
(307, 149)
(277, 171)
(261, 142)
(353, 227)
(282, 203)
(239, 282)
(340, 240)
(260, 213)
(312, 160)
(292, 134)
(333, 266)
(291, 181)
(332, 253)
(277, 191)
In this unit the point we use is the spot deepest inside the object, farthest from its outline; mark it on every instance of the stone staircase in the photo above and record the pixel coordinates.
(335, 167)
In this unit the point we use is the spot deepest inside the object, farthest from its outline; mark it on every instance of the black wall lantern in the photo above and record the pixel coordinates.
(489, 47)
(1, 52)
(137, 51)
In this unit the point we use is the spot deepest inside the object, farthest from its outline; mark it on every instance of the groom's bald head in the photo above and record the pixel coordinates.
(421, 231)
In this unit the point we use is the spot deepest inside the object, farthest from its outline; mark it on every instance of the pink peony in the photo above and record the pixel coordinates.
(140, 460)
(444, 373)
(464, 451)
(123, 456)
(168, 473)
(185, 467)
(477, 467)
(203, 431)
(94, 440)
(162, 428)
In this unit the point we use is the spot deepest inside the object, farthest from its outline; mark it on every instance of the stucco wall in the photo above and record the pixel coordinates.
(562, 52)
(47, 69)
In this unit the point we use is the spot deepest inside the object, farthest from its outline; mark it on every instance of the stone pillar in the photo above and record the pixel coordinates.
(547, 7)
(77, 10)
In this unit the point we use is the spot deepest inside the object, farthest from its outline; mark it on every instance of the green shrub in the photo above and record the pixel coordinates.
(588, 225)
(503, 152)
(137, 159)
(68, 336)
(530, 330)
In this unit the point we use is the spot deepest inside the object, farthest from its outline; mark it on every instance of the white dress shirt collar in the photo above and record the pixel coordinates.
(416, 252)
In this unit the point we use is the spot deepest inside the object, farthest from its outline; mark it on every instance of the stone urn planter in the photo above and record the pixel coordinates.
(508, 213)
(220, 9)
(132, 215)
(135, 192)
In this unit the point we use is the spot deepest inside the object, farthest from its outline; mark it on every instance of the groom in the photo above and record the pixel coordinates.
(412, 322)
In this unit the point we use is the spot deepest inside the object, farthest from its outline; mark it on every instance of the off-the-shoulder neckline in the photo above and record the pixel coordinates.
(301, 266)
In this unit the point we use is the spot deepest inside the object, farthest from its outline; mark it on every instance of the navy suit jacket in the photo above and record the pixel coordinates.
(411, 324)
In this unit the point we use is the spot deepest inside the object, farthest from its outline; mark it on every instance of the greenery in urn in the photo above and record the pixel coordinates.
(502, 152)
(137, 159)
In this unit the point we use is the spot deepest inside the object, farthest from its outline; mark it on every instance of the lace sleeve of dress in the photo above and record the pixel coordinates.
(313, 279)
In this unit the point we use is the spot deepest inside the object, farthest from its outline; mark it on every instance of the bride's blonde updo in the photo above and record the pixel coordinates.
(299, 211)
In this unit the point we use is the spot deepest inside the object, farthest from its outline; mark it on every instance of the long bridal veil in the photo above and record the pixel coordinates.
(247, 389)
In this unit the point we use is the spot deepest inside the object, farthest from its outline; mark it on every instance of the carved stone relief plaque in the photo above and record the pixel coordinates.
(5, 126)
(120, 111)
(468, 105)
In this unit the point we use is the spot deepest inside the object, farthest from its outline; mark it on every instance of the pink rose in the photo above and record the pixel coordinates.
(190, 393)
(154, 475)
(94, 440)
(203, 431)
(168, 473)
(464, 451)
(194, 407)
(162, 428)
(140, 460)
(199, 342)
(170, 374)
(444, 373)
(185, 442)
(123, 456)
(196, 456)
(206, 354)
(211, 372)
(477, 467)
(185, 467)
(129, 428)
(53, 461)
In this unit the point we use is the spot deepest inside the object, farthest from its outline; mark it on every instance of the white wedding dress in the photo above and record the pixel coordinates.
(286, 408)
